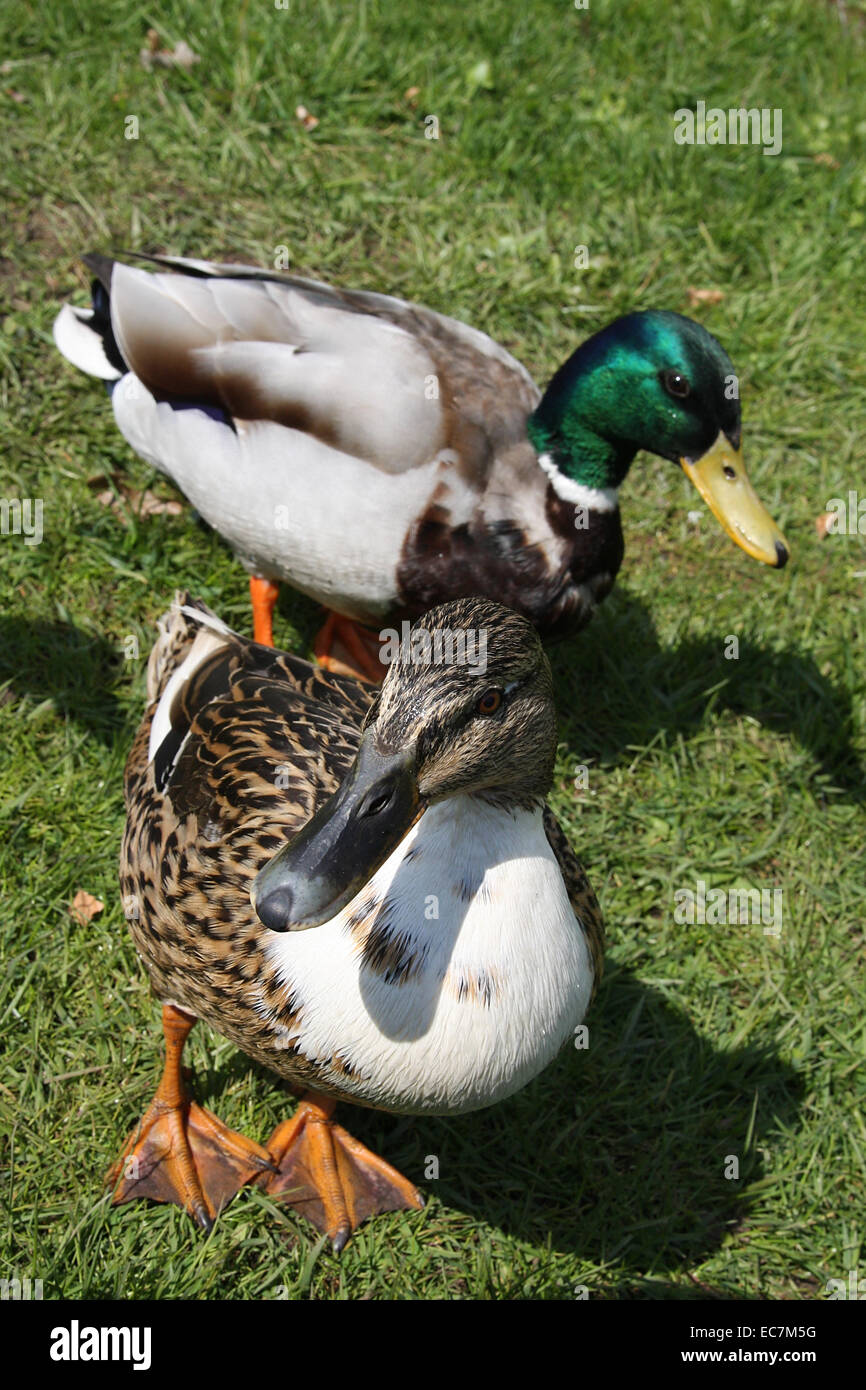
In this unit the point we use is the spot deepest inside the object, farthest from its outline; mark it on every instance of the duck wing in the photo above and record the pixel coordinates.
(370, 375)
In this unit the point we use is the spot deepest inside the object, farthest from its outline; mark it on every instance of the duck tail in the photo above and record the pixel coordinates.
(190, 660)
(177, 631)
(85, 336)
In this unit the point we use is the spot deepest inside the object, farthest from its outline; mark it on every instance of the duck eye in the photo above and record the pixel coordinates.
(675, 384)
(489, 702)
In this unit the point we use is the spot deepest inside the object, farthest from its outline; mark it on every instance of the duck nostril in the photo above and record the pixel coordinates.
(275, 910)
(377, 803)
(729, 472)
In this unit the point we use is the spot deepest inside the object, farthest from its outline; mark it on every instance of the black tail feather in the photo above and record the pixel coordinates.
(102, 267)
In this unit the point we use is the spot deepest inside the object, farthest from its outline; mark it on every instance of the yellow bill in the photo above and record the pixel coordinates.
(722, 481)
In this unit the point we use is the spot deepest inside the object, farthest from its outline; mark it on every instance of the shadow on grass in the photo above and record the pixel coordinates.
(616, 1154)
(57, 661)
(617, 687)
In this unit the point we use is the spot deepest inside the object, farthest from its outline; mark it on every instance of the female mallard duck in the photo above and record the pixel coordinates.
(383, 458)
(367, 895)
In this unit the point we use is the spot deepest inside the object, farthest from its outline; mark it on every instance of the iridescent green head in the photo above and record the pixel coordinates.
(660, 382)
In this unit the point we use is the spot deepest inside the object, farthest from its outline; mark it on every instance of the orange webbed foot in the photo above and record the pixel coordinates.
(329, 1176)
(180, 1152)
(186, 1155)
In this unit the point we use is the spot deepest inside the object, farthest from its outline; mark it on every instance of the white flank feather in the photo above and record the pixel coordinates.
(279, 496)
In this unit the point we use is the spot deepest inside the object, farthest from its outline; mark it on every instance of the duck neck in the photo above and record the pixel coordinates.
(589, 460)
(583, 421)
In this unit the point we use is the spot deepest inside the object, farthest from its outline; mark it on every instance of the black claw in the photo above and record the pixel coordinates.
(340, 1239)
(202, 1218)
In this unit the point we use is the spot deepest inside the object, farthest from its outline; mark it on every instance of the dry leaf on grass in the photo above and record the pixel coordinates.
(411, 95)
(144, 503)
(307, 120)
(84, 907)
(705, 296)
(822, 523)
(826, 159)
(148, 504)
(181, 56)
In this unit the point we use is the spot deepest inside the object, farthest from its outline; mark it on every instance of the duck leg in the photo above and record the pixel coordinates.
(180, 1152)
(348, 649)
(329, 1177)
(263, 596)
(341, 645)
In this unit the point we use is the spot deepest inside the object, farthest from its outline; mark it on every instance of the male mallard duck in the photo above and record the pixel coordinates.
(367, 895)
(383, 458)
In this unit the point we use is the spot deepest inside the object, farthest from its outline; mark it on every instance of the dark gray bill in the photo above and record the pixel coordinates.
(338, 851)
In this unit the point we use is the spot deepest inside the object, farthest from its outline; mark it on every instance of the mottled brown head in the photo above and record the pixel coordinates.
(469, 692)
(466, 707)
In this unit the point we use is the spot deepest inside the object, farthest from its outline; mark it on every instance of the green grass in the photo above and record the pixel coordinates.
(608, 1171)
